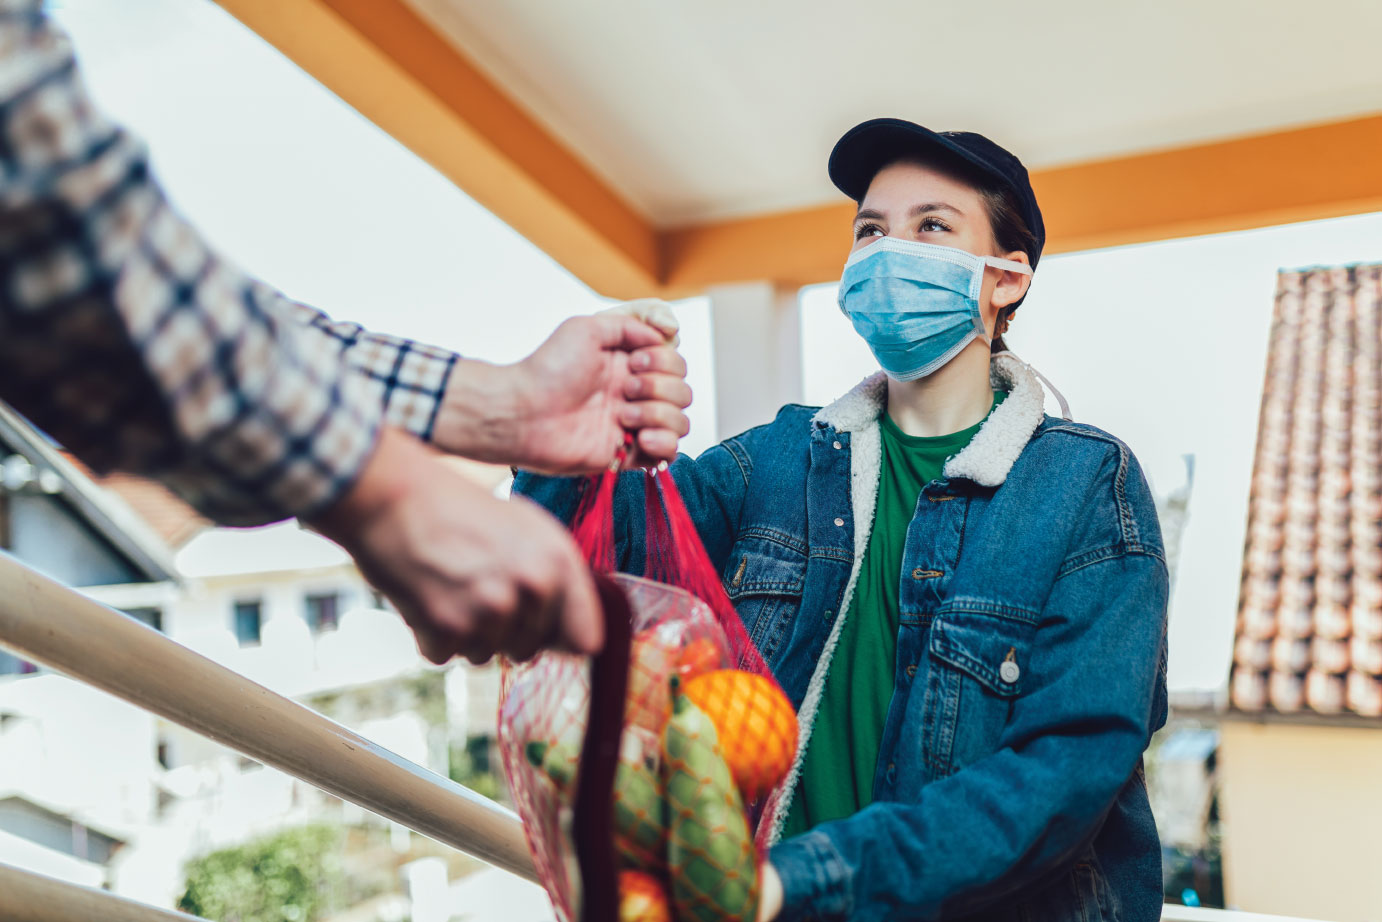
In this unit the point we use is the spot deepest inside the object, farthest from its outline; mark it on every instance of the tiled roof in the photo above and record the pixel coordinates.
(1309, 631)
(174, 521)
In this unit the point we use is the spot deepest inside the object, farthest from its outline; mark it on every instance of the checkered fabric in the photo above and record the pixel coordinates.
(126, 338)
(407, 378)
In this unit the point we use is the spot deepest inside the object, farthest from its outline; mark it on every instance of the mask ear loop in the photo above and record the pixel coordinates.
(1060, 398)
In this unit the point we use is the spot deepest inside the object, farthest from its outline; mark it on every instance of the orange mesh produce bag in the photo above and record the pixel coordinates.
(616, 764)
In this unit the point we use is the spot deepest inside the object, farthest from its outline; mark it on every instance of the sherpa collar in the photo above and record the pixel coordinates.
(993, 451)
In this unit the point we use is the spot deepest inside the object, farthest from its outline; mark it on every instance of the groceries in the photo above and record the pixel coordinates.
(701, 741)
(710, 854)
(642, 898)
(638, 775)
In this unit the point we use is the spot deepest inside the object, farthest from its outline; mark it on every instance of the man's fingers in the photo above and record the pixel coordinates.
(654, 414)
(536, 629)
(436, 646)
(666, 388)
(582, 619)
(656, 445)
(620, 331)
(662, 359)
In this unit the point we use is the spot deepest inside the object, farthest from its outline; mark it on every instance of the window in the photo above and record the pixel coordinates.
(247, 622)
(323, 611)
(153, 617)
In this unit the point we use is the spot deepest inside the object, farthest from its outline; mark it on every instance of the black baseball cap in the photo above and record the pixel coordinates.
(869, 146)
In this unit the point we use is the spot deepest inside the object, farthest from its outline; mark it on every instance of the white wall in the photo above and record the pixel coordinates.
(73, 749)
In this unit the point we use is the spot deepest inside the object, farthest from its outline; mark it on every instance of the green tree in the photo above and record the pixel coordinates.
(293, 876)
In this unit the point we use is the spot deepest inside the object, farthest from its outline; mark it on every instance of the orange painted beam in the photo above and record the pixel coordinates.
(1302, 174)
(1321, 171)
(798, 248)
(387, 62)
(391, 65)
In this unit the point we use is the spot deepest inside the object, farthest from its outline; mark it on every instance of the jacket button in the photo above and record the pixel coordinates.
(838, 445)
(829, 614)
(912, 671)
(840, 523)
(1009, 672)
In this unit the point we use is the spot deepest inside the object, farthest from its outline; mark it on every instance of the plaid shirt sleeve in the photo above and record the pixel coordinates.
(407, 378)
(126, 338)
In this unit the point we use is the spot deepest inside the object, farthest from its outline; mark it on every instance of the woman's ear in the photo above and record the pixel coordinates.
(1011, 285)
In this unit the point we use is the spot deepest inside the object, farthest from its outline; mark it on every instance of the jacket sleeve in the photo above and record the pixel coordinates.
(712, 485)
(128, 339)
(1019, 814)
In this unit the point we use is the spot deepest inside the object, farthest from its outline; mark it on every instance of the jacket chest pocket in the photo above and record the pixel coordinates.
(978, 669)
(764, 578)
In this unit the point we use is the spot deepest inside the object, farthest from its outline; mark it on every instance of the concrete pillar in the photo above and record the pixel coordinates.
(756, 331)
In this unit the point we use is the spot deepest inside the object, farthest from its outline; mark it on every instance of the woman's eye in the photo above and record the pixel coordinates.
(931, 224)
(868, 230)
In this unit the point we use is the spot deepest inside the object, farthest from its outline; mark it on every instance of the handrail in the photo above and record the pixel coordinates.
(1173, 913)
(28, 897)
(51, 624)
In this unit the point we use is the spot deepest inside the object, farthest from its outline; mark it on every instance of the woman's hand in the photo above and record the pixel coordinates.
(769, 893)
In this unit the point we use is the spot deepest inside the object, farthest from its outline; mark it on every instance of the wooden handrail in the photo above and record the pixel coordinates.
(28, 897)
(50, 624)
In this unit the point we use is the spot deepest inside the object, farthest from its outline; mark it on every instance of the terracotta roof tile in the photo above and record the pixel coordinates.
(1309, 629)
(174, 521)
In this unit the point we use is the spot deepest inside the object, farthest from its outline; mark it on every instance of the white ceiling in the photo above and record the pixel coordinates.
(701, 109)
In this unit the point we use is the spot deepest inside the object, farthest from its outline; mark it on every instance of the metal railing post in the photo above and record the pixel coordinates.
(28, 897)
(50, 624)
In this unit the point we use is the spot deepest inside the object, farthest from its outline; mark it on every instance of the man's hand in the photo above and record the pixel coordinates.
(769, 893)
(567, 407)
(471, 574)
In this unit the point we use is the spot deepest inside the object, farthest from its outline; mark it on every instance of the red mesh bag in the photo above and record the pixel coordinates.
(655, 756)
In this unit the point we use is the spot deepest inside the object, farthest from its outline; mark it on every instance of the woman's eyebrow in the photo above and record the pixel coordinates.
(934, 206)
(871, 214)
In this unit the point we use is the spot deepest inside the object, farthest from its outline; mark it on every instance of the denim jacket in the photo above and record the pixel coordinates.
(1031, 655)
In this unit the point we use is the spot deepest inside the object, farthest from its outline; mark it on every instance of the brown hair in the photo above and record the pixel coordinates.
(1010, 233)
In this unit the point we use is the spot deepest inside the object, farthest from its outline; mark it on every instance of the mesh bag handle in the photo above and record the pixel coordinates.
(675, 554)
(594, 806)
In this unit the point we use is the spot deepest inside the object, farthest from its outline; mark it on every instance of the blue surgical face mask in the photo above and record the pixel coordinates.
(916, 304)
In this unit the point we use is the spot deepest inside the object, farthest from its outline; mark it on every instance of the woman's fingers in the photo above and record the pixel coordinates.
(652, 311)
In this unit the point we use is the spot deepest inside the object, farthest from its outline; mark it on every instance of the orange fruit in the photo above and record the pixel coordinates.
(642, 899)
(755, 723)
(648, 703)
(700, 656)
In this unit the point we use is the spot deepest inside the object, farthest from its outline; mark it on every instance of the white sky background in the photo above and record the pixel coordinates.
(1164, 345)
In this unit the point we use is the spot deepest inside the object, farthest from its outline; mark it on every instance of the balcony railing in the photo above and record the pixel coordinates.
(26, 897)
(48, 623)
(53, 625)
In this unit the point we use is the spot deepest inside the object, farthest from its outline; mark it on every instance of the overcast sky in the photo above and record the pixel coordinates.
(1163, 345)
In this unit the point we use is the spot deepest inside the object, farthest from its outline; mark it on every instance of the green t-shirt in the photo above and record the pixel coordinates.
(837, 771)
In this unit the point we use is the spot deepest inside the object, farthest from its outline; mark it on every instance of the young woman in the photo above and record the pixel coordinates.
(964, 598)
